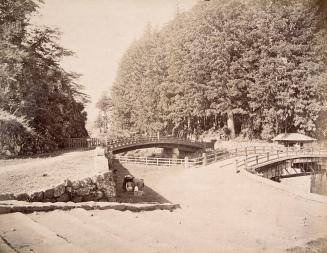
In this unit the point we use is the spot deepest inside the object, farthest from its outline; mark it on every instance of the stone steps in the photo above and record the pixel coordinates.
(26, 236)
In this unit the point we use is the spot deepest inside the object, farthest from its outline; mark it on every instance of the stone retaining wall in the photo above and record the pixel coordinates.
(319, 183)
(98, 188)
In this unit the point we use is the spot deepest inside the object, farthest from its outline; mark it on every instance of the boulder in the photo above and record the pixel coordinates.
(22, 197)
(36, 197)
(75, 185)
(7, 196)
(63, 198)
(59, 190)
(67, 183)
(48, 194)
(99, 195)
(83, 191)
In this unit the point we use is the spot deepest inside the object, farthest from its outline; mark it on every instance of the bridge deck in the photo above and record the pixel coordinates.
(126, 144)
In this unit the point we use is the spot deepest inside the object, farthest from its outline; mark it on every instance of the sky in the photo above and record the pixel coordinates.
(99, 32)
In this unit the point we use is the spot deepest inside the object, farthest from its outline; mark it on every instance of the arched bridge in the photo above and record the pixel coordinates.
(282, 164)
(120, 145)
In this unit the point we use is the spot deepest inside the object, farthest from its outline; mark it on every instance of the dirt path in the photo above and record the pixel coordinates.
(40, 173)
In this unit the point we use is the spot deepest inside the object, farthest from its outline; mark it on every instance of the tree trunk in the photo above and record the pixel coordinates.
(230, 123)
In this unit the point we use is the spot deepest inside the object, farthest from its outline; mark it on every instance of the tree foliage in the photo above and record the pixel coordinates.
(257, 68)
(33, 85)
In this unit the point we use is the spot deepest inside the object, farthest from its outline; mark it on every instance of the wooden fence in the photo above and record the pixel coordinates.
(76, 143)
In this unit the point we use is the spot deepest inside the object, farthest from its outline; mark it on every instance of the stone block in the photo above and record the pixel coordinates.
(77, 199)
(63, 198)
(7, 196)
(99, 195)
(36, 197)
(48, 194)
(82, 191)
(22, 197)
(59, 190)
(75, 185)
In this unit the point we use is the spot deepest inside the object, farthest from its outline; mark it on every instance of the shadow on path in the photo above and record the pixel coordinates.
(128, 197)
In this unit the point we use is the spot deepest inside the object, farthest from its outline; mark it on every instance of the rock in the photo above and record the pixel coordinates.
(88, 181)
(83, 191)
(77, 199)
(22, 197)
(90, 197)
(67, 183)
(63, 198)
(59, 190)
(36, 197)
(48, 194)
(7, 196)
(99, 195)
(69, 189)
(100, 182)
(75, 185)
(45, 175)
(108, 176)
(94, 179)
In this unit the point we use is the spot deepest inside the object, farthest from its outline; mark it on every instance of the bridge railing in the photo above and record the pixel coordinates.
(122, 142)
(207, 158)
(250, 163)
(151, 161)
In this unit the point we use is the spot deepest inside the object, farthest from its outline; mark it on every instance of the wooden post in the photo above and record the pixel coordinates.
(257, 158)
(277, 153)
(146, 161)
(267, 156)
(186, 164)
(236, 167)
(157, 161)
(255, 150)
(204, 161)
(246, 151)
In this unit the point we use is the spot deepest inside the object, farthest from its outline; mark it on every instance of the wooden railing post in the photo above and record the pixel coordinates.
(267, 156)
(257, 158)
(186, 162)
(236, 166)
(204, 161)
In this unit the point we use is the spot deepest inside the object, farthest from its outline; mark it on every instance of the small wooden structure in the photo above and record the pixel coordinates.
(294, 139)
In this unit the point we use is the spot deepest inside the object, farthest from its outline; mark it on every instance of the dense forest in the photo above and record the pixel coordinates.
(242, 68)
(40, 103)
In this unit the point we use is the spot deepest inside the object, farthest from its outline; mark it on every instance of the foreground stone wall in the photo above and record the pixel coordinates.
(98, 188)
(319, 183)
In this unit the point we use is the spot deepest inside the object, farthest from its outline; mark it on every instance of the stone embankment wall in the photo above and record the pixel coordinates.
(97, 188)
(319, 183)
(101, 187)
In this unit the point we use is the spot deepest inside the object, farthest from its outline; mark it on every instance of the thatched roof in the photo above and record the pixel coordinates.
(294, 137)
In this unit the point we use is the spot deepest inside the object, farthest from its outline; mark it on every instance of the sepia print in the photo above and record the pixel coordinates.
(165, 126)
